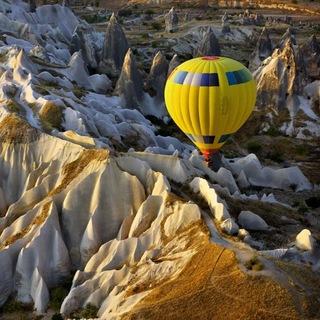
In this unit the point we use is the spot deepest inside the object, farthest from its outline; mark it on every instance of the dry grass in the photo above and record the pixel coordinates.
(74, 168)
(51, 116)
(16, 130)
(38, 220)
(213, 287)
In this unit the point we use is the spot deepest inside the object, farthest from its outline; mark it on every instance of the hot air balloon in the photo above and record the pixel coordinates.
(210, 98)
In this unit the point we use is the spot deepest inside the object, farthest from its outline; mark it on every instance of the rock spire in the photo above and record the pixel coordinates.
(263, 50)
(171, 20)
(310, 52)
(81, 42)
(114, 49)
(281, 80)
(158, 76)
(129, 86)
(209, 45)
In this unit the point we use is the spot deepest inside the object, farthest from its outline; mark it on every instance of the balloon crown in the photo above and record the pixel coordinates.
(210, 58)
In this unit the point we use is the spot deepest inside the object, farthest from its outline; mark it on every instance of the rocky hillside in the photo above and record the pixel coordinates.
(107, 212)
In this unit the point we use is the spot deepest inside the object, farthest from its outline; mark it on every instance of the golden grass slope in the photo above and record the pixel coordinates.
(213, 286)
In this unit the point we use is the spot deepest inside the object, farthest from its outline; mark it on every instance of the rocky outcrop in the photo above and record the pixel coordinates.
(32, 5)
(174, 62)
(249, 18)
(251, 221)
(171, 20)
(82, 42)
(263, 50)
(157, 77)
(281, 80)
(225, 24)
(209, 45)
(66, 3)
(284, 39)
(115, 47)
(78, 72)
(129, 86)
(310, 51)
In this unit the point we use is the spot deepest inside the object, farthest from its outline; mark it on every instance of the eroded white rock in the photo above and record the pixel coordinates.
(304, 240)
(251, 221)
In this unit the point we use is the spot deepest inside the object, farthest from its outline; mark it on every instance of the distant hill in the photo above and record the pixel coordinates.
(310, 4)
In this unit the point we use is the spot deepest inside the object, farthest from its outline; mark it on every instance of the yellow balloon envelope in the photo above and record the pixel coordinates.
(210, 98)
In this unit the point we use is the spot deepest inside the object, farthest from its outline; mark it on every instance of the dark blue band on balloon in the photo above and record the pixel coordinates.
(201, 139)
(209, 80)
(208, 139)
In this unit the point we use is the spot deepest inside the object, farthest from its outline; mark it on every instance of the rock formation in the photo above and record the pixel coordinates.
(171, 20)
(287, 35)
(129, 86)
(310, 52)
(281, 80)
(174, 62)
(66, 3)
(225, 24)
(115, 47)
(250, 18)
(263, 50)
(209, 45)
(82, 42)
(137, 232)
(157, 77)
(32, 5)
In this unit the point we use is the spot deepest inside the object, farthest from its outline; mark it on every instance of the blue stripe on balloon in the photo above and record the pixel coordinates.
(180, 76)
(231, 78)
(211, 79)
(197, 79)
(238, 77)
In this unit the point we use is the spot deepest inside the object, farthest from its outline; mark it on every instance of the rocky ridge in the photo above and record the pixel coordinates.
(128, 227)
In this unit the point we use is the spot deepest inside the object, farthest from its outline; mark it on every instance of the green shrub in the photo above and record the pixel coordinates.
(154, 44)
(57, 316)
(275, 156)
(125, 13)
(302, 150)
(149, 12)
(302, 209)
(145, 36)
(12, 306)
(90, 311)
(293, 186)
(253, 146)
(273, 131)
(57, 296)
(156, 26)
(254, 264)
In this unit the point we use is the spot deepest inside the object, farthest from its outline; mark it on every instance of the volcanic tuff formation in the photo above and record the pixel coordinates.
(264, 49)
(115, 47)
(152, 232)
(129, 86)
(209, 45)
